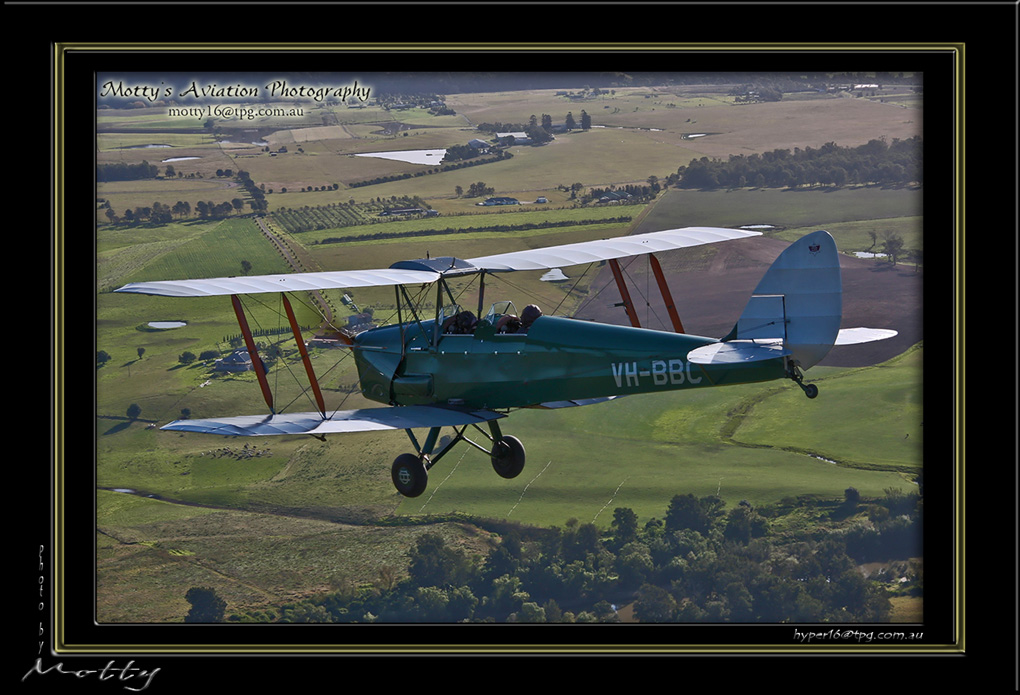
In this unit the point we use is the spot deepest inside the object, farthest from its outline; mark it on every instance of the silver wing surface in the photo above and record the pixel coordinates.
(290, 282)
(362, 420)
(607, 249)
(533, 259)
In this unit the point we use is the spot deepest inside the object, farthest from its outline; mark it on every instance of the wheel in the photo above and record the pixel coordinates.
(810, 390)
(409, 475)
(508, 457)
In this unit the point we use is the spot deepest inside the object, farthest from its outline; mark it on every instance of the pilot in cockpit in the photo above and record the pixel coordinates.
(462, 323)
(509, 323)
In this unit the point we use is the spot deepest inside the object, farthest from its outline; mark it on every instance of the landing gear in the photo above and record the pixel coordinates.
(508, 457)
(409, 475)
(793, 372)
(410, 471)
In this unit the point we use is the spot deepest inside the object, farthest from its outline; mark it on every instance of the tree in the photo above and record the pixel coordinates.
(102, 357)
(687, 512)
(530, 612)
(206, 606)
(625, 525)
(134, 410)
(585, 121)
(892, 246)
(654, 605)
(141, 351)
(186, 357)
(246, 267)
(433, 563)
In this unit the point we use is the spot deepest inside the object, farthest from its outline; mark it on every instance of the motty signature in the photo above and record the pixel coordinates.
(132, 678)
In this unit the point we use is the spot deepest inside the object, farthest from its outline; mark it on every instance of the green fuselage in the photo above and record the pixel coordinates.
(558, 359)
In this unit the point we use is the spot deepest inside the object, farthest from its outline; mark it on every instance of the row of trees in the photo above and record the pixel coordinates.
(701, 563)
(630, 192)
(126, 172)
(160, 213)
(897, 163)
(524, 226)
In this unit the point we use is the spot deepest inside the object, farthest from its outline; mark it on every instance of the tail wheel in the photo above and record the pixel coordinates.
(508, 457)
(409, 475)
(793, 372)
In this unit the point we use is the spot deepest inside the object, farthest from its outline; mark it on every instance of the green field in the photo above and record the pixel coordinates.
(264, 520)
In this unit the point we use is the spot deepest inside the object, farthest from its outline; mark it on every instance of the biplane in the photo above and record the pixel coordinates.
(464, 369)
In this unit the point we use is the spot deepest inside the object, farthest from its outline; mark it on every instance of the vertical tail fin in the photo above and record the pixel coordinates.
(800, 300)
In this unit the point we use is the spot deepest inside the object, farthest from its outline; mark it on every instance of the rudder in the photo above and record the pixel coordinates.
(799, 300)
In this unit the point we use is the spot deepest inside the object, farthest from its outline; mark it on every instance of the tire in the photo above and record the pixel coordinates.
(508, 457)
(811, 391)
(409, 475)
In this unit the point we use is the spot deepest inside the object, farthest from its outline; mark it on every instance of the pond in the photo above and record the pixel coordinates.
(410, 156)
(166, 325)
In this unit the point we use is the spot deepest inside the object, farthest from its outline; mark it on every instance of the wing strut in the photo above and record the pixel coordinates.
(624, 293)
(667, 297)
(256, 361)
(304, 355)
(660, 279)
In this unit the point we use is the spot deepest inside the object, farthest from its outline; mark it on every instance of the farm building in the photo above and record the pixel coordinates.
(501, 200)
(519, 138)
(237, 361)
(359, 320)
(614, 196)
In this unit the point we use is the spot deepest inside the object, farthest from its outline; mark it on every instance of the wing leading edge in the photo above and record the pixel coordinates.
(362, 420)
(291, 282)
(533, 259)
(607, 249)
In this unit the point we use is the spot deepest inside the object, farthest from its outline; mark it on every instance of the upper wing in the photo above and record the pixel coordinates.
(292, 282)
(534, 259)
(606, 249)
(362, 420)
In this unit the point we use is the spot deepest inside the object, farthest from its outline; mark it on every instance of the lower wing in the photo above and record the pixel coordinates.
(363, 420)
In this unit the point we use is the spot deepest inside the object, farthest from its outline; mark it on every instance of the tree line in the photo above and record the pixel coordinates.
(160, 213)
(876, 162)
(487, 228)
(701, 562)
(126, 172)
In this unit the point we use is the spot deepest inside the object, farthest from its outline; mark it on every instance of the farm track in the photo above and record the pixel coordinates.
(295, 265)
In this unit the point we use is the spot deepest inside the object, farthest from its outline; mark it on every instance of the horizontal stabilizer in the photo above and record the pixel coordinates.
(737, 352)
(853, 336)
(363, 420)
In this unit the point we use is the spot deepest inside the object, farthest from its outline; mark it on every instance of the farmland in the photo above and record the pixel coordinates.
(267, 522)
